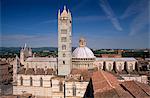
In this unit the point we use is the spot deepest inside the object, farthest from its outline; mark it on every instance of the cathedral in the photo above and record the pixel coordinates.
(64, 76)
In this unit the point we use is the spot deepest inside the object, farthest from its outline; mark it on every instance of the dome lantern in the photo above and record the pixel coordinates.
(82, 42)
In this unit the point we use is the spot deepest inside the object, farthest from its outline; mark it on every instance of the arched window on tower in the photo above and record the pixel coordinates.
(31, 81)
(74, 89)
(63, 62)
(41, 82)
(63, 47)
(21, 81)
(64, 55)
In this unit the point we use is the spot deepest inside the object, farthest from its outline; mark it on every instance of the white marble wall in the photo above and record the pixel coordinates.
(80, 88)
(43, 65)
(120, 64)
(35, 80)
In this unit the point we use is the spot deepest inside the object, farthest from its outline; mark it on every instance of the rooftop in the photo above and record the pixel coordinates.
(107, 86)
(117, 59)
(41, 59)
(38, 71)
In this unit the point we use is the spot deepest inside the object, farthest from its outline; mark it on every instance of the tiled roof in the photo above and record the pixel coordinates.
(3, 63)
(106, 85)
(137, 90)
(81, 72)
(144, 87)
(22, 71)
(117, 59)
(50, 71)
(38, 71)
(30, 71)
(103, 81)
(41, 59)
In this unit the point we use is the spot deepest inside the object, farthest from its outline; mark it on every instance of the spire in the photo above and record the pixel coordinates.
(59, 13)
(25, 45)
(64, 7)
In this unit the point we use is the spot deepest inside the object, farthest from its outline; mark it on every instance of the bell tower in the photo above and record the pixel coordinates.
(64, 42)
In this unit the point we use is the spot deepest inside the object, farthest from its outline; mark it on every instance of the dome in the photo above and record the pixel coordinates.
(83, 52)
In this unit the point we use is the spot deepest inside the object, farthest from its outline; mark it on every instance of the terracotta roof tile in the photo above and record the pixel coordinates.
(50, 71)
(134, 89)
(40, 71)
(144, 87)
(22, 71)
(30, 71)
(82, 72)
(107, 86)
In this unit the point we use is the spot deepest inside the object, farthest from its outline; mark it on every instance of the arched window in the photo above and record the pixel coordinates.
(109, 66)
(120, 67)
(100, 66)
(63, 62)
(104, 66)
(21, 81)
(31, 81)
(63, 47)
(60, 86)
(74, 90)
(41, 82)
(50, 83)
(63, 39)
(125, 66)
(131, 66)
(64, 55)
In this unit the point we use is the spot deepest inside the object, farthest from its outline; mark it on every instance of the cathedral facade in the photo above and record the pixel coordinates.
(62, 77)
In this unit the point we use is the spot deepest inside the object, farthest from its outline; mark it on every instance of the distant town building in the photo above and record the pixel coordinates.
(5, 76)
(4, 72)
(111, 55)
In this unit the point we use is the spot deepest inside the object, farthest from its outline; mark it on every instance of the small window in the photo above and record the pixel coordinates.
(63, 47)
(63, 39)
(41, 82)
(50, 83)
(31, 81)
(64, 55)
(63, 31)
(74, 90)
(21, 81)
(61, 86)
(63, 62)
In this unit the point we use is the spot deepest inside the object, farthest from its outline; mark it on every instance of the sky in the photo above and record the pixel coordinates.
(103, 23)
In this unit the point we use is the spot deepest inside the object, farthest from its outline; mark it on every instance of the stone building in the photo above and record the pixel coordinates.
(66, 76)
(82, 56)
(4, 72)
(116, 64)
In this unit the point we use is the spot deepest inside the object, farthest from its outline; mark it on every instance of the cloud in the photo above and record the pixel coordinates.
(134, 8)
(139, 23)
(110, 14)
(140, 11)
